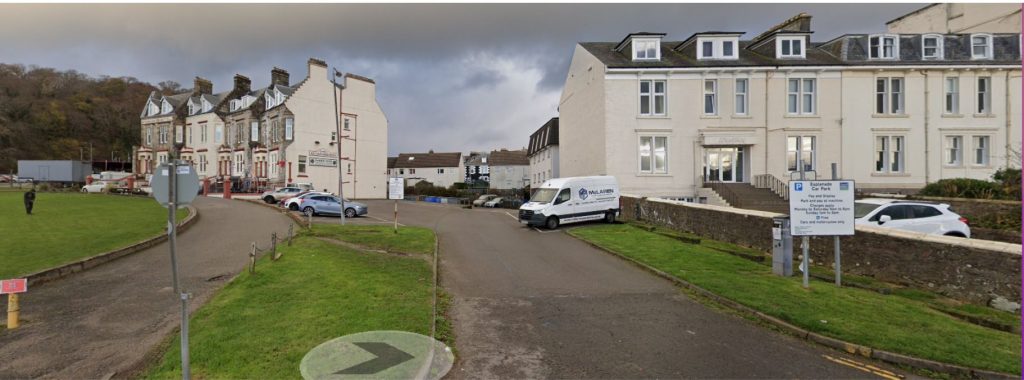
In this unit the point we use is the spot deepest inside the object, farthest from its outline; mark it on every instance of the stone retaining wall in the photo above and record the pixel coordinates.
(972, 270)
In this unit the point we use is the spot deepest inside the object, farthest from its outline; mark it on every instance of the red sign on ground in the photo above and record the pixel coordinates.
(19, 285)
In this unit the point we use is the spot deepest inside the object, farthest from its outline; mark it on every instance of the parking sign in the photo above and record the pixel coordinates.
(821, 208)
(396, 188)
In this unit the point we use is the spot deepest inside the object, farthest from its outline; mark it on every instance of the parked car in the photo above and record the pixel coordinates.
(319, 204)
(483, 199)
(95, 187)
(927, 217)
(494, 202)
(568, 200)
(292, 203)
(280, 193)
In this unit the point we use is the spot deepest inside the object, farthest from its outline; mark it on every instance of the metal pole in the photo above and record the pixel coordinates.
(839, 270)
(172, 232)
(805, 242)
(396, 216)
(337, 128)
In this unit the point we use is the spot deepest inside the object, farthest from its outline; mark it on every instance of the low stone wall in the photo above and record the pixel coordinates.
(972, 270)
(981, 212)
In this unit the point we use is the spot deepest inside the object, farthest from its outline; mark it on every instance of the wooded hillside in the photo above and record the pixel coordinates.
(51, 114)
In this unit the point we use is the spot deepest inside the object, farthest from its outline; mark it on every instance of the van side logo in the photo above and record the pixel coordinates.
(584, 194)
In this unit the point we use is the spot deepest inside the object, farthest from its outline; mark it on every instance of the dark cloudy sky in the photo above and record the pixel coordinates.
(450, 77)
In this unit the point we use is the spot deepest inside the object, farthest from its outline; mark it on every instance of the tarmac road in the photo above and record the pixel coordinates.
(540, 304)
(103, 321)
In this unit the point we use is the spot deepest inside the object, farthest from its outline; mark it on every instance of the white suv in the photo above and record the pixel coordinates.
(917, 216)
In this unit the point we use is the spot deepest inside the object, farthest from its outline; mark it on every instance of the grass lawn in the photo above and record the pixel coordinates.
(260, 326)
(902, 324)
(408, 240)
(66, 227)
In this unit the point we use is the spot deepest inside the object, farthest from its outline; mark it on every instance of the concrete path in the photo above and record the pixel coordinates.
(541, 304)
(105, 320)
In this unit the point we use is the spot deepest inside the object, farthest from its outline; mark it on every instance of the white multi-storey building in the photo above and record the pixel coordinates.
(543, 153)
(894, 111)
(274, 135)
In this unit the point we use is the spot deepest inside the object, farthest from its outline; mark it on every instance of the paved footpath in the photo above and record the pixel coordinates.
(103, 321)
(540, 304)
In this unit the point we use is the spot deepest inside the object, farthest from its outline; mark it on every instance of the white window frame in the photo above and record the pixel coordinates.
(953, 149)
(983, 98)
(191, 108)
(888, 95)
(951, 100)
(234, 105)
(718, 47)
(289, 129)
(939, 48)
(254, 131)
(652, 97)
(203, 129)
(799, 151)
(879, 49)
(800, 94)
(987, 45)
(218, 134)
(165, 107)
(149, 136)
(741, 105)
(981, 144)
(644, 42)
(711, 95)
(653, 162)
(887, 149)
(206, 106)
(782, 40)
(152, 109)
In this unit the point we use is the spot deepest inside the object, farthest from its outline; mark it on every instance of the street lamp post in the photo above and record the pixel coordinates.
(337, 129)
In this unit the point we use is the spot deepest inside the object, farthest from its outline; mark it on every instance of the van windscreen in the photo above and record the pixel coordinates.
(544, 195)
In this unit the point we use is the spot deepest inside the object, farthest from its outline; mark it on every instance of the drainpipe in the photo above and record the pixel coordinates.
(927, 143)
(767, 80)
(1006, 142)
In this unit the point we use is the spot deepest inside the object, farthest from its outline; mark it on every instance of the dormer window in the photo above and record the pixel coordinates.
(269, 100)
(981, 46)
(883, 46)
(790, 47)
(206, 106)
(192, 108)
(931, 46)
(152, 109)
(166, 107)
(247, 101)
(234, 105)
(646, 49)
(717, 47)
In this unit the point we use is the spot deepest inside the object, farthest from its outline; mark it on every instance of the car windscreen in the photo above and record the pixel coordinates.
(861, 209)
(544, 195)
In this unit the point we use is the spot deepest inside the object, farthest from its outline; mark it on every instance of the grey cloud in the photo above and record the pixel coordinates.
(417, 53)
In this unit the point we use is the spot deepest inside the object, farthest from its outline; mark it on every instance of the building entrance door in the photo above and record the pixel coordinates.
(723, 164)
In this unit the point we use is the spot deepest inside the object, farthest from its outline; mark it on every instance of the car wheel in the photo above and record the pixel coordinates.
(609, 217)
(84, 190)
(309, 211)
(350, 213)
(551, 223)
(293, 207)
(268, 199)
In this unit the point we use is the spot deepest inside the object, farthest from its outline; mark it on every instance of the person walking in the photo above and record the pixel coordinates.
(30, 200)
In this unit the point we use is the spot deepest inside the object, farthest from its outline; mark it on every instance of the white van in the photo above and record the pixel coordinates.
(570, 200)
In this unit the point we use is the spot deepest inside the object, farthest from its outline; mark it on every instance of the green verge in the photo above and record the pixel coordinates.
(906, 325)
(412, 240)
(260, 326)
(67, 227)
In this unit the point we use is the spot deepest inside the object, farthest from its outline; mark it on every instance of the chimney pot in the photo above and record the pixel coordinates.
(242, 83)
(202, 86)
(279, 76)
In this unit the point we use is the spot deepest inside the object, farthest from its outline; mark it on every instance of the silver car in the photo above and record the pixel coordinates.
(330, 205)
(483, 199)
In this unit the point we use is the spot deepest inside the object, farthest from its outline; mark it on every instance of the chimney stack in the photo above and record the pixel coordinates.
(279, 76)
(202, 86)
(242, 83)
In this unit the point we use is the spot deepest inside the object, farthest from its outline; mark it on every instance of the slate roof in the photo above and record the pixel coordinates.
(428, 160)
(546, 135)
(508, 158)
(846, 50)
(476, 159)
(391, 162)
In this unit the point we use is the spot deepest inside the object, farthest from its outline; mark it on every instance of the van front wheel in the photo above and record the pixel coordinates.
(551, 223)
(609, 217)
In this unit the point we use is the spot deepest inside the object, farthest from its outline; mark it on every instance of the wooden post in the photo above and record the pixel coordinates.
(290, 234)
(273, 246)
(396, 216)
(12, 311)
(252, 259)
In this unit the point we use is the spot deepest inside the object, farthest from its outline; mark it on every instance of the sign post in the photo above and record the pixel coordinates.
(396, 191)
(175, 184)
(820, 208)
(12, 288)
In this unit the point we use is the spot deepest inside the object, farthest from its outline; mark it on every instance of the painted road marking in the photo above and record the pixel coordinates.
(385, 220)
(511, 216)
(865, 367)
